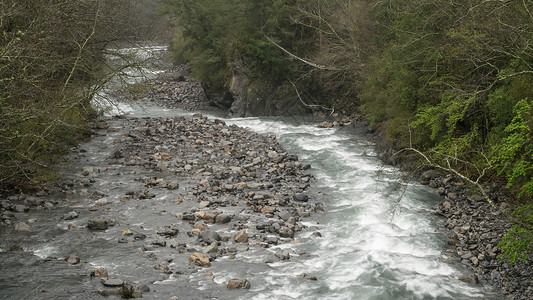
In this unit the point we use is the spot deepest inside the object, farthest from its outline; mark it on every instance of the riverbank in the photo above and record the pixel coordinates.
(474, 229)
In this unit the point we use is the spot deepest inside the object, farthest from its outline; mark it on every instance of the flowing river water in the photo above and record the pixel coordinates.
(378, 241)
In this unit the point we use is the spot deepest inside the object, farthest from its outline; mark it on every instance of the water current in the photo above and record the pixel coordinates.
(378, 241)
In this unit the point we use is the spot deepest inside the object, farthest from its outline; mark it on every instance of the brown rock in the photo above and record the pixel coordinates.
(267, 210)
(100, 272)
(200, 259)
(325, 124)
(241, 237)
(201, 226)
(238, 284)
(72, 259)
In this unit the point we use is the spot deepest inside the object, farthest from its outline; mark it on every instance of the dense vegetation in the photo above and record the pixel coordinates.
(452, 79)
(51, 64)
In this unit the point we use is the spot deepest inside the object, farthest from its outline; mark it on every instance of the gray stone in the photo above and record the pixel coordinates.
(284, 215)
(212, 248)
(286, 232)
(112, 282)
(301, 197)
(22, 227)
(469, 278)
(20, 208)
(283, 254)
(273, 155)
(223, 218)
(71, 215)
(209, 236)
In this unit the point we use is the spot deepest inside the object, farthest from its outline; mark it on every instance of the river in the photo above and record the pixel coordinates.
(379, 237)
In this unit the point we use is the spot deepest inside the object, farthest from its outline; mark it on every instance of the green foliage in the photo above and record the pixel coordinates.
(516, 244)
(515, 154)
(267, 60)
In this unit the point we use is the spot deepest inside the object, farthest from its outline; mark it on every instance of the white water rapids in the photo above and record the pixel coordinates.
(370, 247)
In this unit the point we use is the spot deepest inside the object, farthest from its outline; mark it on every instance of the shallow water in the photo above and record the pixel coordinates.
(379, 238)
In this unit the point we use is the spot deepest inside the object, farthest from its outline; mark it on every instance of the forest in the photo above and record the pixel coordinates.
(52, 63)
(451, 80)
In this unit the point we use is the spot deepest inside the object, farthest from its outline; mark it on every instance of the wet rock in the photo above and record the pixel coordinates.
(22, 227)
(100, 272)
(16, 248)
(223, 218)
(301, 197)
(97, 224)
(201, 226)
(238, 284)
(72, 259)
(284, 215)
(159, 243)
(112, 282)
(273, 155)
(325, 124)
(241, 237)
(129, 291)
(212, 248)
(172, 185)
(286, 232)
(170, 232)
(111, 292)
(20, 208)
(283, 254)
(70, 216)
(308, 277)
(86, 171)
(209, 236)
(469, 278)
(5, 204)
(144, 288)
(200, 259)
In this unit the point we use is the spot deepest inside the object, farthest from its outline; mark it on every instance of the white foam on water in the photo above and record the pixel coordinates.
(377, 243)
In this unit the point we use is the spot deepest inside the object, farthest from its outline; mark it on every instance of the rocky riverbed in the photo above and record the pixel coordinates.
(211, 191)
(188, 206)
(475, 228)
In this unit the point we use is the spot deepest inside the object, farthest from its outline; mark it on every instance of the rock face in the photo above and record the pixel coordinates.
(248, 98)
(238, 284)
(200, 259)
